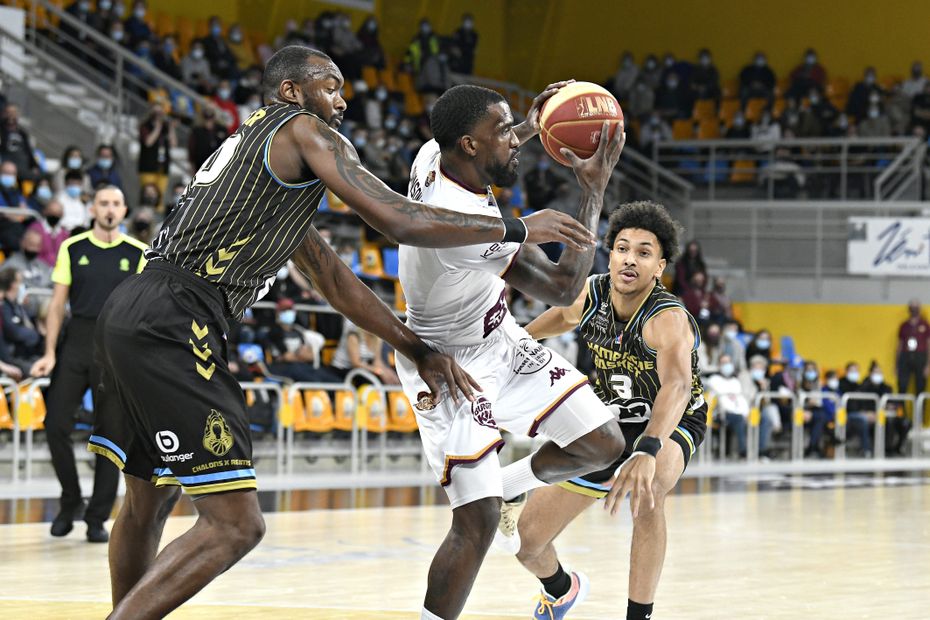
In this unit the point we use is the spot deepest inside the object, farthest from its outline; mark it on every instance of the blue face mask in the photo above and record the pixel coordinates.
(810, 375)
(105, 163)
(727, 369)
(74, 163)
(8, 180)
(216, 31)
(287, 317)
(74, 191)
(44, 193)
(763, 344)
(757, 373)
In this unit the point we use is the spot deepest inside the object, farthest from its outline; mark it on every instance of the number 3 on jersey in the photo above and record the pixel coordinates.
(213, 167)
(622, 385)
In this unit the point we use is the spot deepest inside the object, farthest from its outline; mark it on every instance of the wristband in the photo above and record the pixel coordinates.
(514, 229)
(648, 445)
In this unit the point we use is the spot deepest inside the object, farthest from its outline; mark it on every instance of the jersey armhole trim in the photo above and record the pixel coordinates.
(267, 163)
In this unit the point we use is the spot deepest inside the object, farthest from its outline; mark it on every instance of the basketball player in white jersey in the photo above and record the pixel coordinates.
(455, 302)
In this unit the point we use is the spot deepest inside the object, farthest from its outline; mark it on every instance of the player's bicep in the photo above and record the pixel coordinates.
(671, 336)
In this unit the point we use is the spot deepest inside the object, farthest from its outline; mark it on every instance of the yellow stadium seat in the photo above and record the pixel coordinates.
(743, 171)
(704, 108)
(683, 129)
(728, 108)
(6, 420)
(778, 106)
(729, 89)
(345, 410)
(782, 86)
(185, 32)
(31, 410)
(369, 257)
(405, 82)
(164, 24)
(347, 91)
(201, 28)
(413, 105)
(754, 109)
(708, 129)
(371, 414)
(335, 203)
(386, 76)
(318, 413)
(400, 414)
(370, 75)
(400, 300)
(837, 87)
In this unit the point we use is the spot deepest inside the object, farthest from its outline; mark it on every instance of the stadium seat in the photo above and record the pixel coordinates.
(164, 24)
(683, 129)
(413, 105)
(370, 75)
(390, 258)
(31, 410)
(345, 410)
(405, 82)
(185, 32)
(371, 414)
(347, 91)
(778, 106)
(6, 420)
(728, 108)
(704, 108)
(335, 203)
(782, 86)
(754, 109)
(400, 300)
(729, 89)
(370, 260)
(400, 414)
(836, 87)
(317, 413)
(386, 77)
(708, 129)
(743, 171)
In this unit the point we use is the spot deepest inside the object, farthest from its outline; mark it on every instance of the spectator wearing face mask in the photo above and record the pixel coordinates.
(15, 144)
(761, 344)
(756, 80)
(806, 76)
(651, 72)
(738, 129)
(51, 232)
(815, 416)
(721, 307)
(623, 81)
(104, 170)
(690, 263)
(464, 42)
(142, 225)
(831, 386)
(732, 345)
(770, 419)
(912, 350)
(377, 159)
(41, 194)
(817, 114)
(72, 200)
(149, 196)
(710, 351)
(372, 53)
(897, 425)
(860, 414)
(19, 330)
(72, 160)
(35, 272)
(156, 139)
(375, 104)
(223, 100)
(876, 123)
(360, 349)
(733, 402)
(673, 100)
(654, 131)
(916, 81)
(165, 57)
(195, 67)
(216, 49)
(10, 194)
(293, 348)
(861, 95)
(136, 26)
(423, 45)
(242, 53)
(705, 79)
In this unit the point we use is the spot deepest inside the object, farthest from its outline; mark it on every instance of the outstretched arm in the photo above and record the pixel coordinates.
(560, 283)
(347, 294)
(334, 160)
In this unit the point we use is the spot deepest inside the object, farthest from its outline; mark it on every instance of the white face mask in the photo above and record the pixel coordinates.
(833, 384)
(877, 378)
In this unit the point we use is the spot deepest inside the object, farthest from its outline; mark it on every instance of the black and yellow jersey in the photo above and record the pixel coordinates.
(625, 365)
(237, 223)
(93, 268)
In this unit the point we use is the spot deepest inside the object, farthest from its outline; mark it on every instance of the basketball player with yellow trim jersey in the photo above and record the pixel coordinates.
(644, 346)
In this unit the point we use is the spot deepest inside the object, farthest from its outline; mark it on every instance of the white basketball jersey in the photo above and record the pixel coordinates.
(455, 296)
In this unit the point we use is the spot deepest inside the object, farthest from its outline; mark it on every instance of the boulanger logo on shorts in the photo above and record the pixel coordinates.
(217, 438)
(530, 357)
(168, 443)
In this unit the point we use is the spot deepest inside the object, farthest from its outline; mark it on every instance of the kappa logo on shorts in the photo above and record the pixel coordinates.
(555, 374)
(425, 402)
(481, 411)
(217, 438)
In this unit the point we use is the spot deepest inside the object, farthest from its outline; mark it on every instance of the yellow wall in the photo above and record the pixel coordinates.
(832, 334)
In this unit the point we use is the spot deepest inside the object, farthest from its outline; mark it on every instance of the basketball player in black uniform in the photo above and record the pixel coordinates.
(644, 346)
(170, 413)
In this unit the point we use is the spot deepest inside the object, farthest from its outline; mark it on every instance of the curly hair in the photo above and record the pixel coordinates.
(457, 112)
(646, 215)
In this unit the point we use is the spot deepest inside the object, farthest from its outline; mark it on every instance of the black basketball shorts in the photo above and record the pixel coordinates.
(168, 410)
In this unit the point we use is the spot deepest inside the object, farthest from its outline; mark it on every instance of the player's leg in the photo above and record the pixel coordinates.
(548, 512)
(137, 532)
(455, 565)
(106, 478)
(228, 526)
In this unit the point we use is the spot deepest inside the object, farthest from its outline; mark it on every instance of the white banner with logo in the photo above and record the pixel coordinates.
(889, 246)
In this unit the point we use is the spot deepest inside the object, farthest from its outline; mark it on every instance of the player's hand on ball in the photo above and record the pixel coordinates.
(594, 172)
(548, 225)
(435, 369)
(635, 478)
(532, 116)
(43, 366)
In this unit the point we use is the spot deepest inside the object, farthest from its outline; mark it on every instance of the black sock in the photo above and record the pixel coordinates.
(638, 611)
(559, 584)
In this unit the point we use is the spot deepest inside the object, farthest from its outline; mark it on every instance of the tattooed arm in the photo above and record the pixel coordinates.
(326, 154)
(348, 295)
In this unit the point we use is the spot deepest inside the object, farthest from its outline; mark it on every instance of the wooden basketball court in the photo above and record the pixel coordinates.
(840, 552)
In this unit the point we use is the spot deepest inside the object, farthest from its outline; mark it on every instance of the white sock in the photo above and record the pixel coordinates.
(427, 615)
(519, 478)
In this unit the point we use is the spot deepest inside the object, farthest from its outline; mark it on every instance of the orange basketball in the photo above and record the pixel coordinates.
(572, 119)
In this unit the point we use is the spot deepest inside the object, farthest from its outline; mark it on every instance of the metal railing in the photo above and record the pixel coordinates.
(798, 168)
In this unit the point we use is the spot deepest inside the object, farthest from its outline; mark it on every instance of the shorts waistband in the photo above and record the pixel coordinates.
(191, 278)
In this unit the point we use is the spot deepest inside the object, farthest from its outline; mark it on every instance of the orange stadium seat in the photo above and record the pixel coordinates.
(413, 105)
(345, 410)
(370, 75)
(317, 413)
(31, 410)
(164, 24)
(6, 420)
(708, 129)
(405, 82)
(369, 257)
(782, 86)
(185, 32)
(201, 28)
(704, 108)
(400, 300)
(371, 414)
(729, 89)
(754, 109)
(744, 171)
(683, 129)
(400, 414)
(837, 87)
(386, 76)
(778, 106)
(728, 108)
